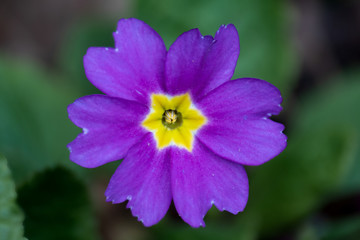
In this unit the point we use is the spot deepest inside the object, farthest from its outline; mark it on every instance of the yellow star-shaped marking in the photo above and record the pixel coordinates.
(173, 120)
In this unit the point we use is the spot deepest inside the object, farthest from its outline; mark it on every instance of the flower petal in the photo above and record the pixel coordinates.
(199, 64)
(238, 127)
(143, 178)
(201, 178)
(183, 137)
(164, 136)
(111, 126)
(132, 70)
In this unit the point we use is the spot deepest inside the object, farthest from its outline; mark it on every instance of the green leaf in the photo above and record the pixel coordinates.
(222, 226)
(331, 104)
(330, 108)
(11, 217)
(330, 229)
(348, 229)
(57, 206)
(295, 183)
(321, 157)
(263, 26)
(34, 127)
(82, 35)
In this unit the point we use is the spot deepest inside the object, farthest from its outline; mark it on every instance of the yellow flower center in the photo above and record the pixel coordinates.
(173, 120)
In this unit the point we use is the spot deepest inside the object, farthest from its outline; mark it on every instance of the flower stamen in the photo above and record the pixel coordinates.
(170, 116)
(171, 119)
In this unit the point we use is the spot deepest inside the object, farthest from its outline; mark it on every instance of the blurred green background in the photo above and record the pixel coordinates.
(309, 49)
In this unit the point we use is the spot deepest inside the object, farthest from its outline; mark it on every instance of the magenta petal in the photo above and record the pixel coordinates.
(199, 64)
(135, 68)
(201, 178)
(143, 178)
(238, 127)
(111, 126)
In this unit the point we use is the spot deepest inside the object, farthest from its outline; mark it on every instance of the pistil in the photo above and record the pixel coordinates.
(171, 119)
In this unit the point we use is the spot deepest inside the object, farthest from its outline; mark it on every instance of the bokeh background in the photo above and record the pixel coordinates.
(309, 49)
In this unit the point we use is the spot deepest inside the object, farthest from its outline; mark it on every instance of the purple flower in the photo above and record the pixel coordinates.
(182, 127)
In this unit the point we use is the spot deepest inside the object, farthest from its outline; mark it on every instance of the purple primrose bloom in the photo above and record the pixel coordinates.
(182, 127)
